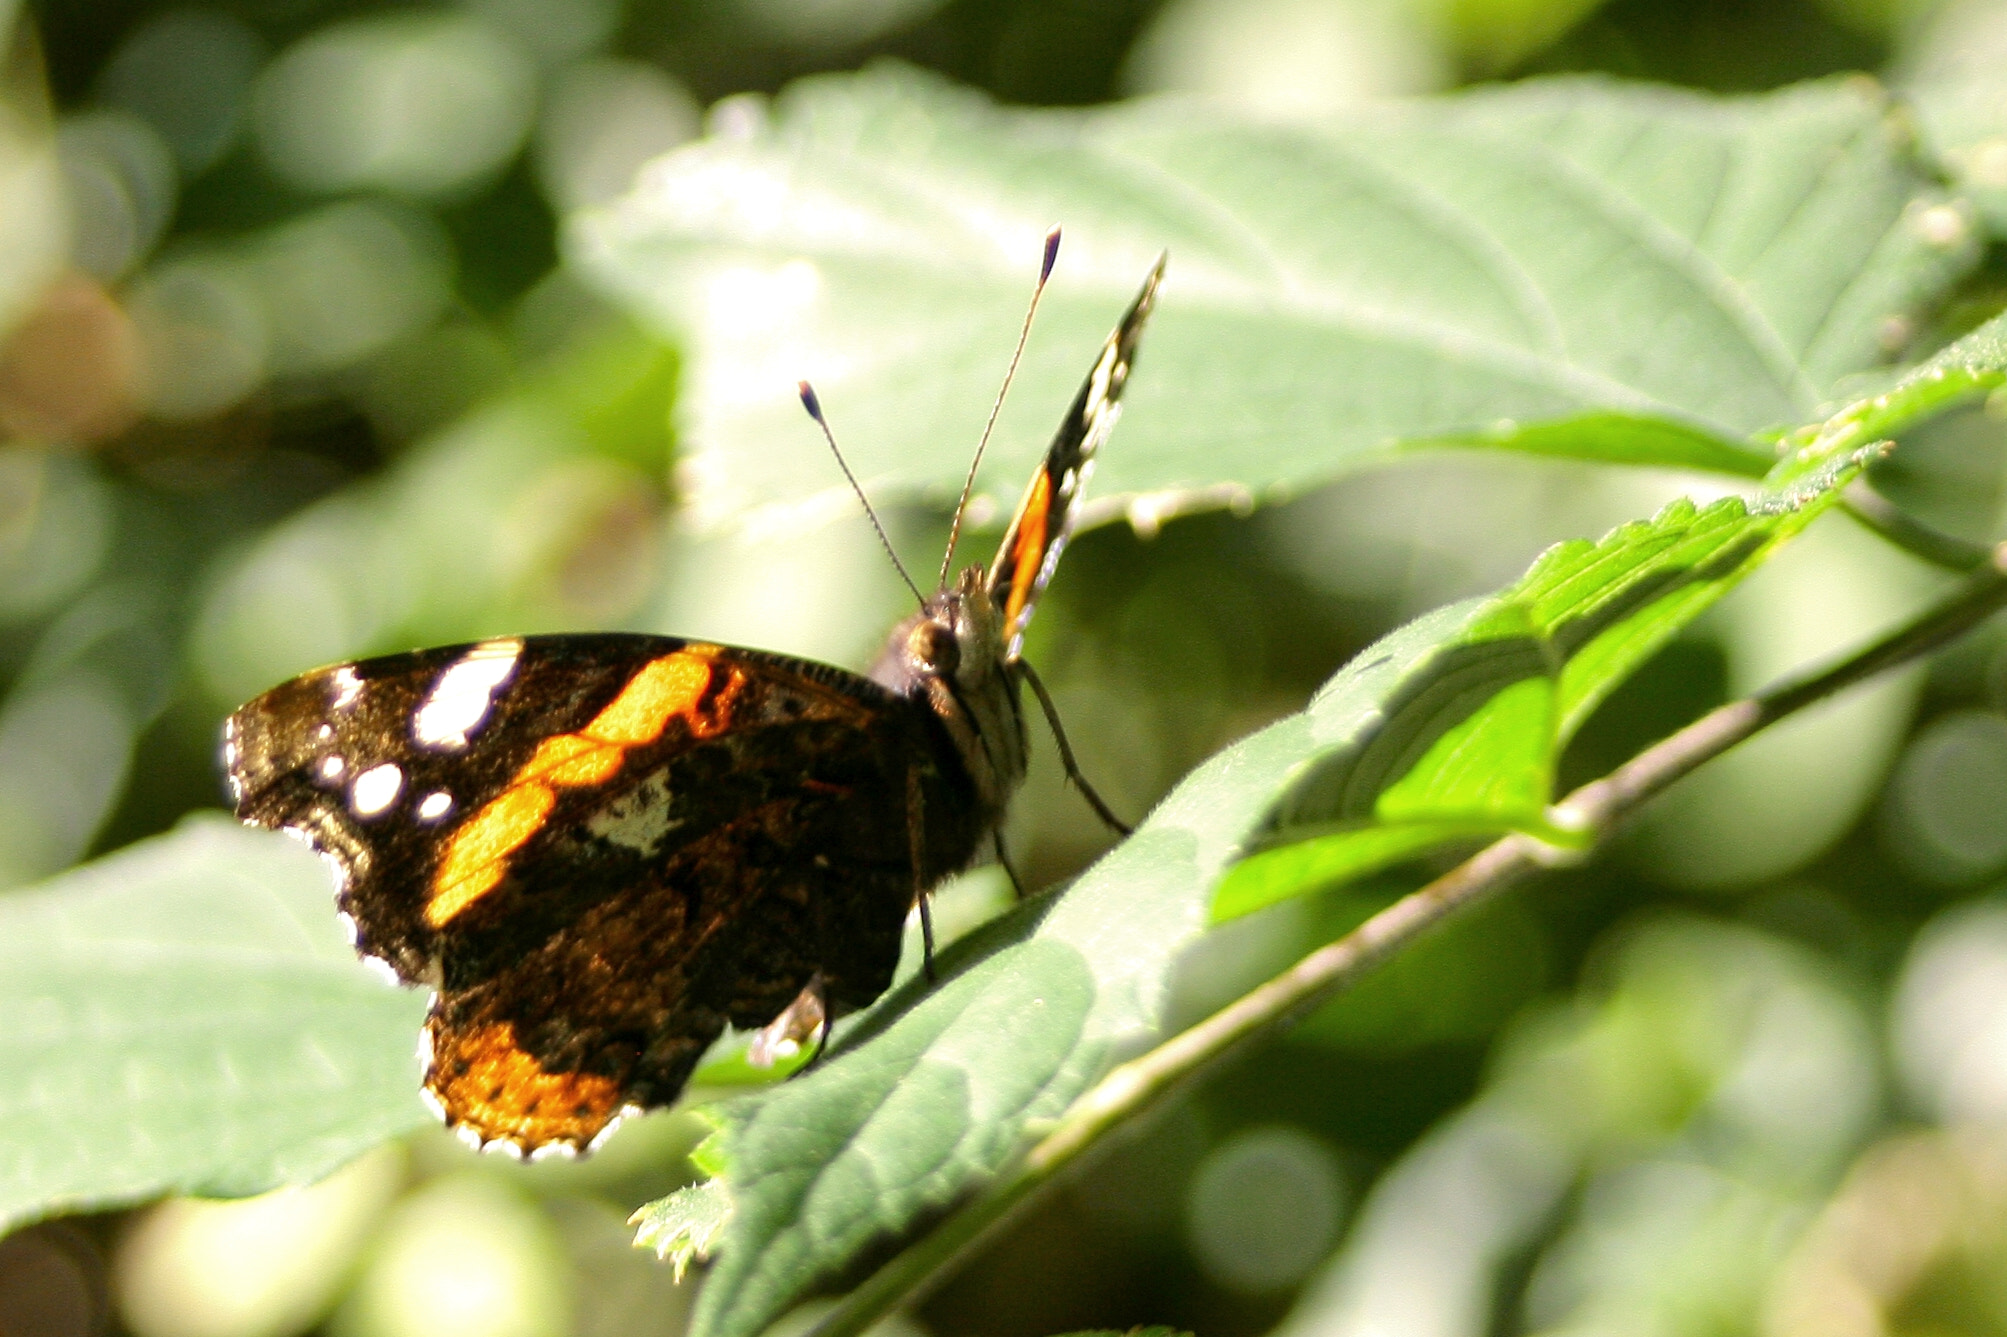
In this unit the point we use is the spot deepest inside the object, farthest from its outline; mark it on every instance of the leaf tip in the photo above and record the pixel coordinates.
(683, 1227)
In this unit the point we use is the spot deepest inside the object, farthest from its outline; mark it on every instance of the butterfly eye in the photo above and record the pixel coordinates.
(934, 644)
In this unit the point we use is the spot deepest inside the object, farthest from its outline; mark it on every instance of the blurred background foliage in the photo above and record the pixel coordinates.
(293, 372)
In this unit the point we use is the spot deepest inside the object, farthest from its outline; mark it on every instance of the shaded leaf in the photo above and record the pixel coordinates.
(185, 1017)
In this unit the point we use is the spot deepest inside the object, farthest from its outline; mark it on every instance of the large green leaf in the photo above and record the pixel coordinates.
(185, 1016)
(1469, 746)
(1573, 267)
(1445, 729)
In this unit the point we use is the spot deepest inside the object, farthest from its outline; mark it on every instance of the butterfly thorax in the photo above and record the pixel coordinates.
(950, 655)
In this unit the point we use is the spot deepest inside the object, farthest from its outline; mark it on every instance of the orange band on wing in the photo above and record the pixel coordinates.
(481, 848)
(672, 687)
(1029, 551)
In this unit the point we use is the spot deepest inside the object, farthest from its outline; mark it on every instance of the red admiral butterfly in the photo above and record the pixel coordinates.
(597, 850)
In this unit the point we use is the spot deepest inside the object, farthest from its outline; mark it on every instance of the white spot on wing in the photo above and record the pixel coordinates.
(637, 821)
(599, 1139)
(431, 1102)
(435, 805)
(555, 1151)
(347, 687)
(348, 926)
(331, 767)
(460, 699)
(375, 790)
(336, 867)
(381, 969)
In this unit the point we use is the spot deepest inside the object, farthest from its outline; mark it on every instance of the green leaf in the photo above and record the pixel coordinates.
(1466, 746)
(682, 1227)
(184, 1017)
(937, 1085)
(1955, 76)
(1571, 267)
(1446, 729)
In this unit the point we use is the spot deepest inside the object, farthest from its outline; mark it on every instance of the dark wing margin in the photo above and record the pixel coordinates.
(1046, 515)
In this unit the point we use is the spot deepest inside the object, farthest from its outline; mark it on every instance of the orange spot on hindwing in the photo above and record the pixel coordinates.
(488, 1082)
(672, 687)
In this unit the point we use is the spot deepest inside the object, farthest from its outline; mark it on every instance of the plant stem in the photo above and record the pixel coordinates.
(1597, 807)
(1910, 534)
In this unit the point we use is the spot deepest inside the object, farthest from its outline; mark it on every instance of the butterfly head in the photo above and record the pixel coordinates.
(950, 654)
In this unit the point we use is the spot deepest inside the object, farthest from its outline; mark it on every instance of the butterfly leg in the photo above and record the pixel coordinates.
(1066, 751)
(1016, 883)
(819, 987)
(916, 814)
(927, 940)
(808, 1015)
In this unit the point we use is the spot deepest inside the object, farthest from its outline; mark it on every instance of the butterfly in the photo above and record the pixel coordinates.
(598, 850)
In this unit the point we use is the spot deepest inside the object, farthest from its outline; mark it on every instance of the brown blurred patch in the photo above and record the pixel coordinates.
(52, 1284)
(70, 373)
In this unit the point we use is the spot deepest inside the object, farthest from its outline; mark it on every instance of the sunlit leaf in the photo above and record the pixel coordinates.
(184, 1017)
(937, 1086)
(1572, 267)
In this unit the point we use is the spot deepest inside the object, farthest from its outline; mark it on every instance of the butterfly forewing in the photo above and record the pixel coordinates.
(1046, 514)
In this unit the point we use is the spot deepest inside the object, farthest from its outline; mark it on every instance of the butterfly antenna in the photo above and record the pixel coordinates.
(814, 407)
(962, 503)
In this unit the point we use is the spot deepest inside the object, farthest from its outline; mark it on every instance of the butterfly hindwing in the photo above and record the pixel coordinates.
(1045, 516)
